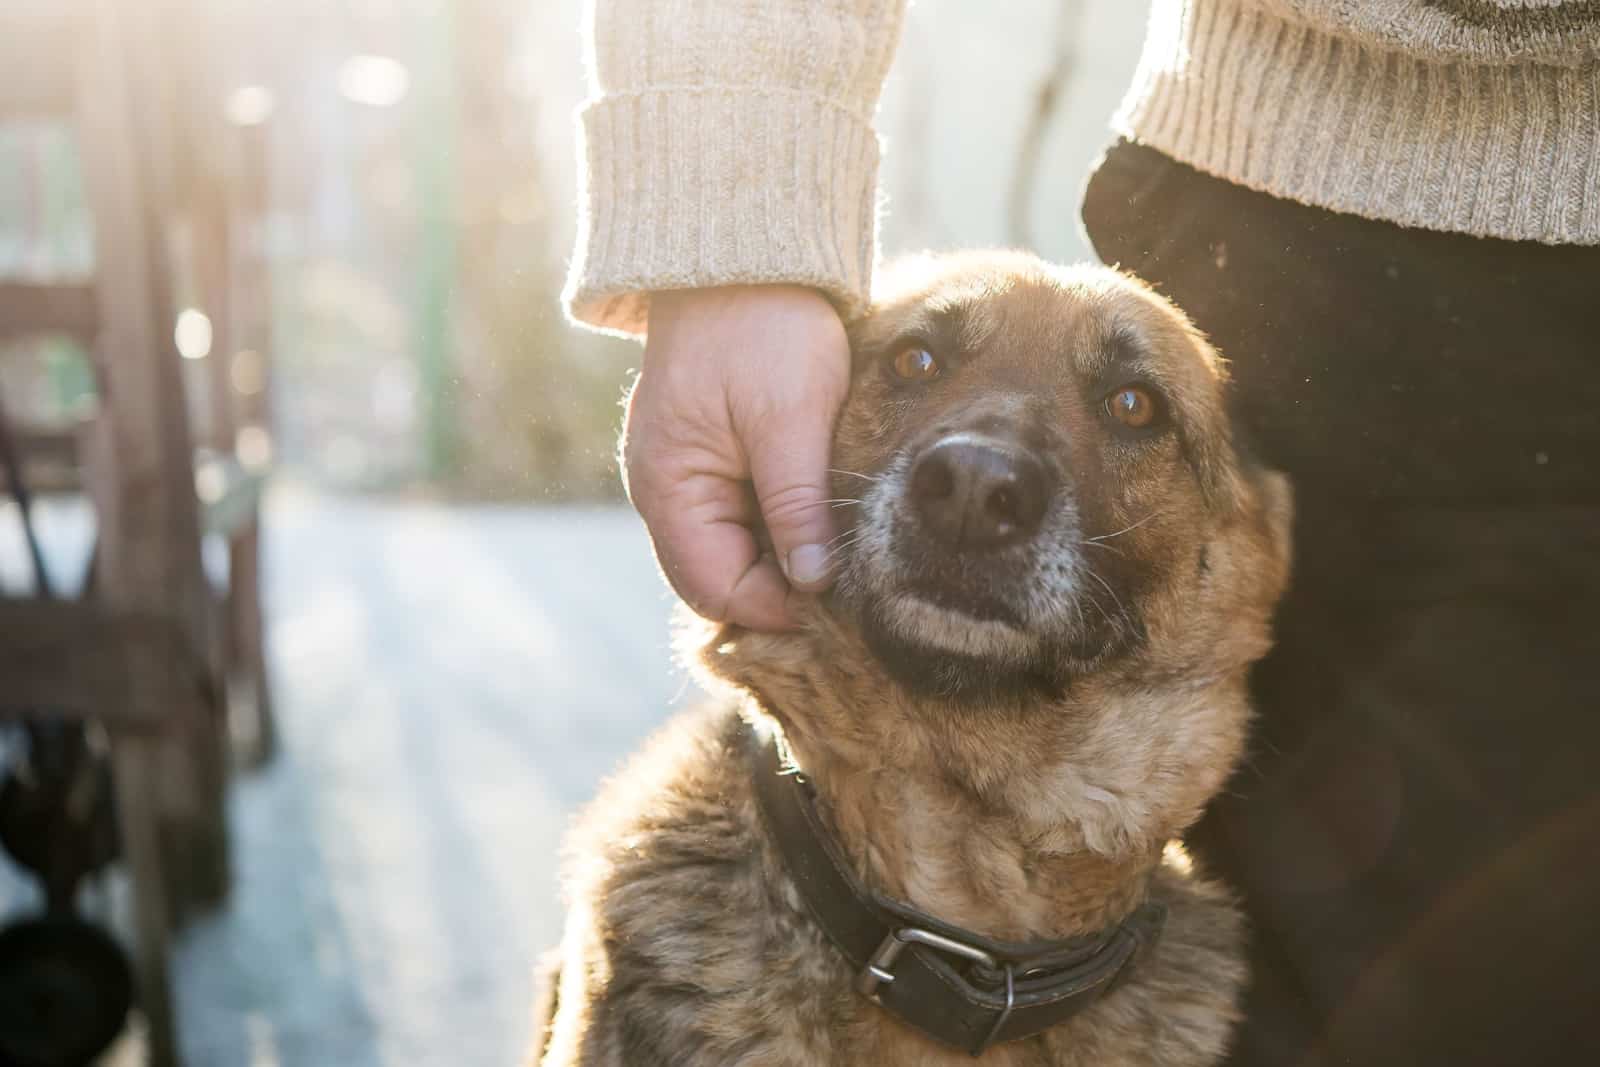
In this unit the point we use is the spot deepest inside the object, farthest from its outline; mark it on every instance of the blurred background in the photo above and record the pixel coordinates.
(337, 576)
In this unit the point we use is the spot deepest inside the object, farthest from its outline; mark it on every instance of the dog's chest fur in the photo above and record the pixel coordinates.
(689, 944)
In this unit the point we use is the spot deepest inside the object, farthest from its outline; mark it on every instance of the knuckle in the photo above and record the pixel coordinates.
(708, 605)
(793, 505)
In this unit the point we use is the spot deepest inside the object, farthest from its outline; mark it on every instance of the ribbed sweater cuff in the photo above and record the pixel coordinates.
(1495, 150)
(697, 187)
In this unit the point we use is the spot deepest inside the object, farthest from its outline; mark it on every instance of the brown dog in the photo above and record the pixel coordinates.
(1029, 679)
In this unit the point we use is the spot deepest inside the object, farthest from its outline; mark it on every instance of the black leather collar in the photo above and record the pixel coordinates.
(958, 987)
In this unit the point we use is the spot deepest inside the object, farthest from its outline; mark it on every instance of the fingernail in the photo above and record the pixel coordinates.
(808, 565)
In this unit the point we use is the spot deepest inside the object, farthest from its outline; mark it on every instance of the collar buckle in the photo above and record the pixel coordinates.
(877, 971)
(1045, 982)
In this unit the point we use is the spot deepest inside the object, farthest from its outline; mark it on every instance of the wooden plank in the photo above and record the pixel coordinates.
(50, 457)
(45, 444)
(36, 64)
(229, 493)
(73, 658)
(40, 307)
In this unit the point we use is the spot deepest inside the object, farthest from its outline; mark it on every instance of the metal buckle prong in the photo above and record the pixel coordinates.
(878, 969)
(1005, 1013)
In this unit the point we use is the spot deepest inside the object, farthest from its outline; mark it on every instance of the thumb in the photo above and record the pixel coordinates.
(789, 466)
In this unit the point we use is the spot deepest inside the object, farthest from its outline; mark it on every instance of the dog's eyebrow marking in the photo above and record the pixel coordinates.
(955, 325)
(975, 325)
(1115, 350)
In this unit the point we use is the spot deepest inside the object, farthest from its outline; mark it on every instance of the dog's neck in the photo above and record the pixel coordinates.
(1038, 820)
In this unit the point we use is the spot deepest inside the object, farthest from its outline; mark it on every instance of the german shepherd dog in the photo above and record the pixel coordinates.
(1027, 682)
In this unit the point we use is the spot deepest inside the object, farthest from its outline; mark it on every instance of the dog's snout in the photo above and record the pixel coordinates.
(975, 495)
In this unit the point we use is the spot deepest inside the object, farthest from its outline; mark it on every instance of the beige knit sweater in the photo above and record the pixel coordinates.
(731, 142)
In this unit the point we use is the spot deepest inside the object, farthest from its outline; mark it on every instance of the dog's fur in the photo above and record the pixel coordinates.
(1014, 758)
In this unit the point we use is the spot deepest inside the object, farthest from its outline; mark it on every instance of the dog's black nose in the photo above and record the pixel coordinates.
(974, 495)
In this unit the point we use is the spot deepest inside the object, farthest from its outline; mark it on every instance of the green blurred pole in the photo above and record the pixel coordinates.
(68, 365)
(436, 185)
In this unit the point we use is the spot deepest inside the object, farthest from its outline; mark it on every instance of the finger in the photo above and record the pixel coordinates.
(709, 555)
(761, 598)
(789, 465)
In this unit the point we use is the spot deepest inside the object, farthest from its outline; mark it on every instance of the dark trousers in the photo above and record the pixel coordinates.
(1416, 832)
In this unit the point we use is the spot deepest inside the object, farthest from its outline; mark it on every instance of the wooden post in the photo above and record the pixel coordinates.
(252, 322)
(140, 475)
(135, 760)
(193, 802)
(226, 200)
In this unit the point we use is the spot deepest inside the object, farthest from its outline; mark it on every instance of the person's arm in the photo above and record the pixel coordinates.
(728, 201)
(728, 142)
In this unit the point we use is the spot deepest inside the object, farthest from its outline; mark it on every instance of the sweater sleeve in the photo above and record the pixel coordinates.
(726, 142)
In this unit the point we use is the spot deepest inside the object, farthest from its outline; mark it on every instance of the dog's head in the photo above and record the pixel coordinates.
(1056, 564)
(1044, 484)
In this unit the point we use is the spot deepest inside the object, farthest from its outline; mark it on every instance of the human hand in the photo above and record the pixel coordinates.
(740, 386)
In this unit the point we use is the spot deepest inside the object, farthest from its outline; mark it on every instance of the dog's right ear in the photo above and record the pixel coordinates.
(1273, 506)
(1277, 495)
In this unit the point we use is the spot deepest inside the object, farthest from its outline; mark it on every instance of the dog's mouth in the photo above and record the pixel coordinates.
(933, 647)
(974, 605)
(972, 581)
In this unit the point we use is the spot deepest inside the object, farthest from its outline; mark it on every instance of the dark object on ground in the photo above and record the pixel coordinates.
(65, 991)
(65, 985)
(57, 817)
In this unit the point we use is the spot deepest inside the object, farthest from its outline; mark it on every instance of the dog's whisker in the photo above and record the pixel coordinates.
(1125, 529)
(1122, 609)
(853, 531)
(834, 552)
(842, 549)
(855, 474)
(844, 541)
(1108, 548)
(1101, 608)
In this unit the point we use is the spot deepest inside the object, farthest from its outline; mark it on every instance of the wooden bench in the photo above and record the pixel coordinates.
(152, 652)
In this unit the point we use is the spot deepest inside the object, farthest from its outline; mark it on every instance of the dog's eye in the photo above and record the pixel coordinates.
(1134, 406)
(914, 364)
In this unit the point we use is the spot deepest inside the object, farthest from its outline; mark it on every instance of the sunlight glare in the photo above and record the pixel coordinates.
(249, 105)
(377, 81)
(192, 334)
(254, 447)
(249, 372)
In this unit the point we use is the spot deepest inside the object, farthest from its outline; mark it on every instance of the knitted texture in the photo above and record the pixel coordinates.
(729, 143)
(1473, 117)
(732, 142)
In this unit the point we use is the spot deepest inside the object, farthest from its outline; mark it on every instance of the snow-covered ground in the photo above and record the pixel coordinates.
(451, 684)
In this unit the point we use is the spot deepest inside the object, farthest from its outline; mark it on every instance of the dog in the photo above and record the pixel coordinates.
(1027, 681)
